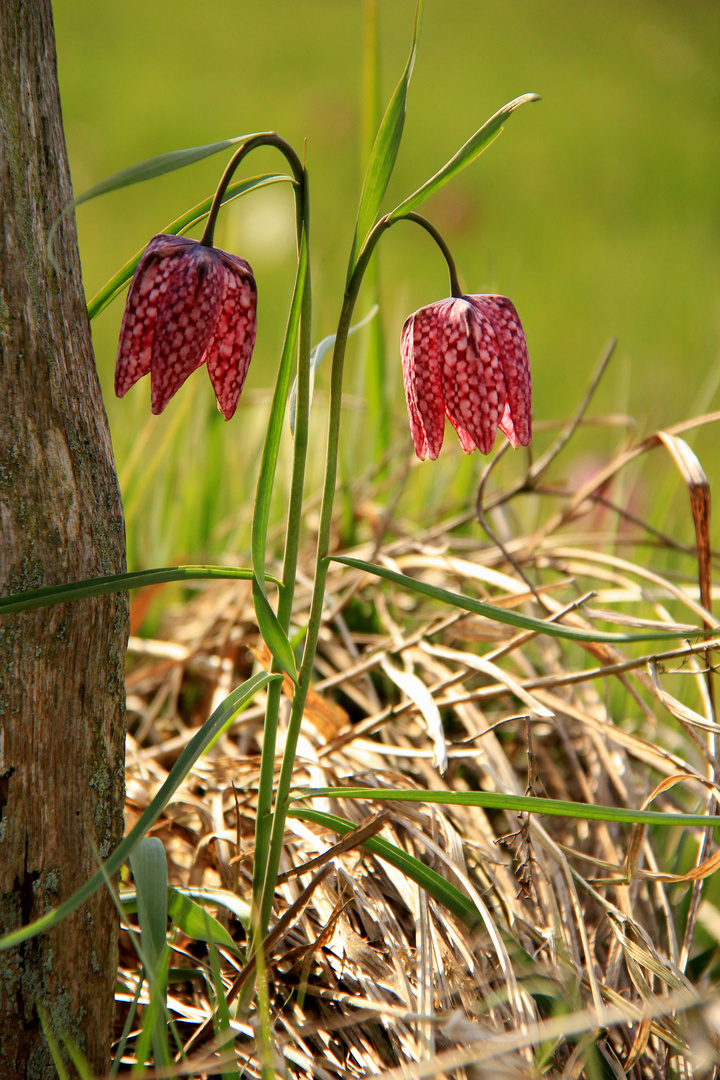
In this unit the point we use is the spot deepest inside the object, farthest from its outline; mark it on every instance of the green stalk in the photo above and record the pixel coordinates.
(292, 541)
(322, 563)
(266, 138)
(321, 570)
(268, 464)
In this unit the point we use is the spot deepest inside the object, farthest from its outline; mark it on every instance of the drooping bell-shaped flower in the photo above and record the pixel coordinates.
(187, 305)
(466, 358)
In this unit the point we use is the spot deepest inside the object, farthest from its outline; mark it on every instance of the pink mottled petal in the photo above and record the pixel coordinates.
(516, 422)
(473, 384)
(192, 285)
(138, 325)
(141, 311)
(422, 375)
(231, 345)
(467, 443)
(508, 428)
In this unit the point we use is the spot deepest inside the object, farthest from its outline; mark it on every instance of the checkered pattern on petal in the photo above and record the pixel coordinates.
(187, 304)
(231, 345)
(473, 382)
(422, 376)
(467, 358)
(185, 321)
(516, 421)
(145, 297)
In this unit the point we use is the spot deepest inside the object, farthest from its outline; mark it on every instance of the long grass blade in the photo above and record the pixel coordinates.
(511, 618)
(137, 579)
(149, 868)
(272, 632)
(465, 155)
(524, 804)
(437, 887)
(271, 449)
(385, 150)
(232, 704)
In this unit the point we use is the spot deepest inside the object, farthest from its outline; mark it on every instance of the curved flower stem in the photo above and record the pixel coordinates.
(323, 546)
(455, 289)
(265, 138)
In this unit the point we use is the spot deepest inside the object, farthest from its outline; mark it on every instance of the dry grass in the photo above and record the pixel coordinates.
(570, 975)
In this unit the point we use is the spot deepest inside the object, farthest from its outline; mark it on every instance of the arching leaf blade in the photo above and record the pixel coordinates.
(465, 155)
(433, 883)
(273, 436)
(522, 804)
(99, 586)
(513, 618)
(385, 150)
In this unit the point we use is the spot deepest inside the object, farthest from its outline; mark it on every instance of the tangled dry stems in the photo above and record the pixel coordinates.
(572, 972)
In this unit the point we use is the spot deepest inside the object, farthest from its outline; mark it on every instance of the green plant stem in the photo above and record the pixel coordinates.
(321, 570)
(292, 542)
(428, 226)
(265, 138)
(279, 816)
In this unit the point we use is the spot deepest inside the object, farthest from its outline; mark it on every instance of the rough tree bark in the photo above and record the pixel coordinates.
(61, 669)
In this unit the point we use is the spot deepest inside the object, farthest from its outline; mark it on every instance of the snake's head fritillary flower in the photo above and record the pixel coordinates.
(466, 358)
(187, 305)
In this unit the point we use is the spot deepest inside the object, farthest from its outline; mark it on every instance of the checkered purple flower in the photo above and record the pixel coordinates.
(187, 305)
(466, 358)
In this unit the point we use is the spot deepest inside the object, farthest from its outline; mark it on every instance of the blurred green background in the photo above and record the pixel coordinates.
(597, 210)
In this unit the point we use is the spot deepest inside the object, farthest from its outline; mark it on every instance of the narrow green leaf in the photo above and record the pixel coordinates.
(465, 155)
(196, 922)
(232, 705)
(207, 895)
(144, 170)
(317, 355)
(155, 1022)
(179, 227)
(185, 906)
(81, 590)
(524, 804)
(149, 869)
(429, 880)
(272, 632)
(511, 618)
(271, 448)
(158, 166)
(385, 150)
(53, 1046)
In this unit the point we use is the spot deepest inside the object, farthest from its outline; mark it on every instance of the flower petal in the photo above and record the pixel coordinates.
(191, 285)
(231, 344)
(422, 375)
(516, 422)
(473, 384)
(139, 321)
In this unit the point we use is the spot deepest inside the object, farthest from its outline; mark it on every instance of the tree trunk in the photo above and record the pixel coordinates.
(61, 668)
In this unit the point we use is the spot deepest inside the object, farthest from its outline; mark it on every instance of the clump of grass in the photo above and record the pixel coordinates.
(577, 948)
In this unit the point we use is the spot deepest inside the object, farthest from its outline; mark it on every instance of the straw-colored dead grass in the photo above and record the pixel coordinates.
(569, 974)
